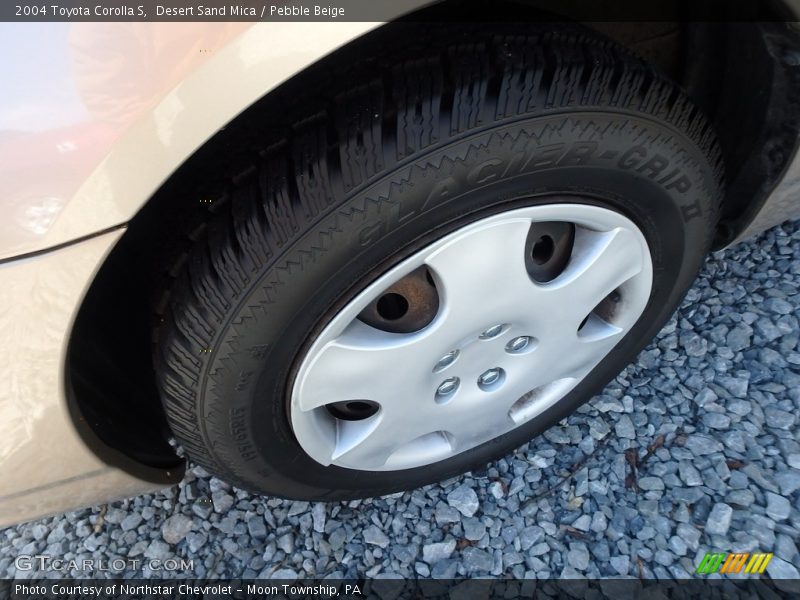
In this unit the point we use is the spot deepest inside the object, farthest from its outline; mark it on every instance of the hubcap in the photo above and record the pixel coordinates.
(524, 305)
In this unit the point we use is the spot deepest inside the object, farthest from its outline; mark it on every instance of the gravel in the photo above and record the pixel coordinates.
(175, 528)
(692, 448)
(719, 519)
(433, 553)
(464, 500)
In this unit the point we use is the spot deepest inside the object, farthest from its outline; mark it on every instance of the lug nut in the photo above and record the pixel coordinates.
(518, 344)
(447, 387)
(447, 360)
(490, 377)
(492, 332)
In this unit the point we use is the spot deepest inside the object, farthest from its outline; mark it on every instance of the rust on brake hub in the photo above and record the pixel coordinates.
(406, 306)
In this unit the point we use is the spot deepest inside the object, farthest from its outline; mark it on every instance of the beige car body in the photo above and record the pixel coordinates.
(114, 137)
(50, 247)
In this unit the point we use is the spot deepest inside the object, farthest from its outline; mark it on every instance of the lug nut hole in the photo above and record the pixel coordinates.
(493, 332)
(521, 345)
(446, 390)
(392, 306)
(542, 250)
(491, 379)
(447, 360)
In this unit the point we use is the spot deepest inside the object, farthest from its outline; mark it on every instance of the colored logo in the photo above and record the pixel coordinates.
(724, 562)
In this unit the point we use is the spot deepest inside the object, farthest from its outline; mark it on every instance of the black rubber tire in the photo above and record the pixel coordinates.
(396, 152)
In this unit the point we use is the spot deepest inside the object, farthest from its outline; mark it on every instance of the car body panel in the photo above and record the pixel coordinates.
(109, 132)
(46, 464)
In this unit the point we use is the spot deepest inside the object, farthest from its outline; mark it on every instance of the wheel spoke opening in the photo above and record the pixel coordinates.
(600, 322)
(408, 305)
(548, 249)
(353, 410)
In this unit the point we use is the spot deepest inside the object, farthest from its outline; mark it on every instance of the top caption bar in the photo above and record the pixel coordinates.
(383, 10)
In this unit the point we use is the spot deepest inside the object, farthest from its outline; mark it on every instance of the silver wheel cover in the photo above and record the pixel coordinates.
(501, 350)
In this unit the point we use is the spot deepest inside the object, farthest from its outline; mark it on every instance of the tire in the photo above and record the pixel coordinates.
(400, 153)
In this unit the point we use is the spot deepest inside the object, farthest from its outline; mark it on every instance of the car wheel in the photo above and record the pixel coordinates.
(445, 257)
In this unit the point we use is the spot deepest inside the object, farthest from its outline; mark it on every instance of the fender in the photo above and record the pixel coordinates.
(115, 166)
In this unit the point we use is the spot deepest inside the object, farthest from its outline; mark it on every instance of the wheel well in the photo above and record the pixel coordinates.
(109, 369)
